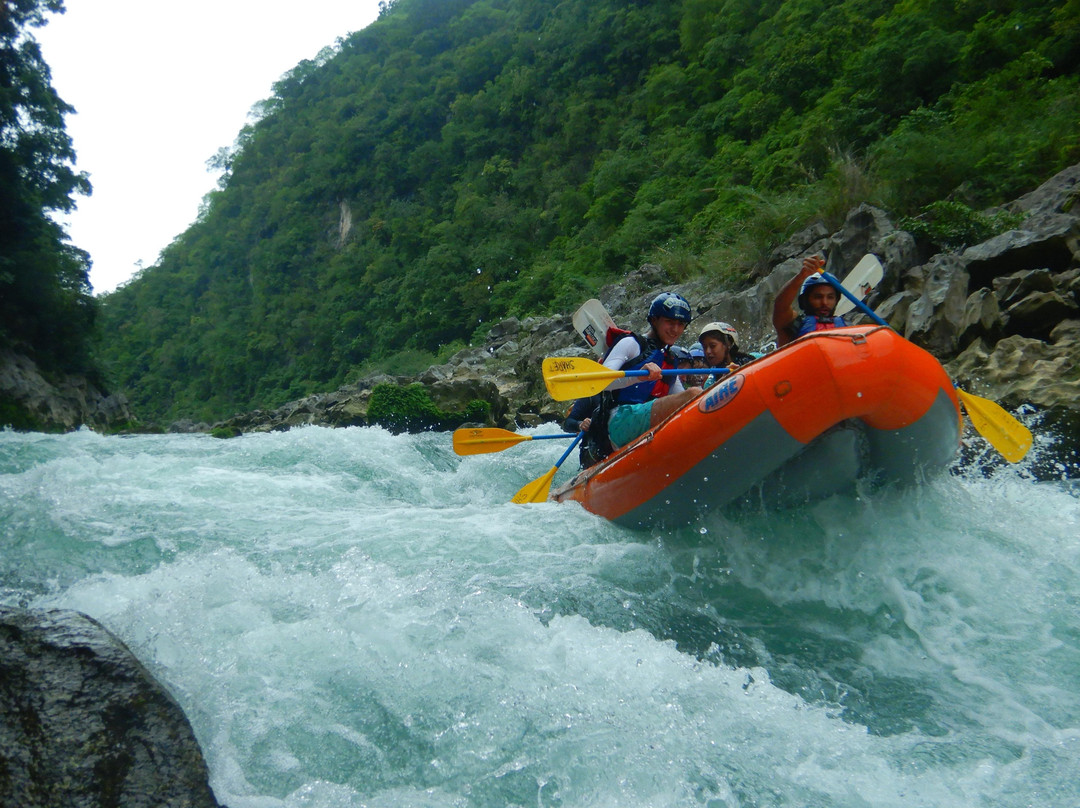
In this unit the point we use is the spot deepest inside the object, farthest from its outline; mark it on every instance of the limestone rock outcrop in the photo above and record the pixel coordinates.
(59, 404)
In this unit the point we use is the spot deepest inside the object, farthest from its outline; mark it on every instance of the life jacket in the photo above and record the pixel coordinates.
(596, 445)
(809, 323)
(648, 351)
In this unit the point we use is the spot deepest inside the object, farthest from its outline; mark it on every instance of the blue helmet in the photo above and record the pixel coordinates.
(817, 279)
(679, 353)
(670, 304)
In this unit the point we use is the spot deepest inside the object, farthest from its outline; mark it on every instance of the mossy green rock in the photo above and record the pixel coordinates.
(409, 408)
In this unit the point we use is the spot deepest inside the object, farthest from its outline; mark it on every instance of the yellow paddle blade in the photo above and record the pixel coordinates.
(571, 377)
(537, 490)
(1005, 433)
(483, 440)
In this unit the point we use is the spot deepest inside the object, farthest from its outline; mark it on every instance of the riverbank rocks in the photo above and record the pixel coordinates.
(83, 724)
(29, 400)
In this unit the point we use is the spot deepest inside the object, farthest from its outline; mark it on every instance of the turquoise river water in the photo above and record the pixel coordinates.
(354, 618)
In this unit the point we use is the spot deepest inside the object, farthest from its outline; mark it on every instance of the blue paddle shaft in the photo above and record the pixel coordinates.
(570, 448)
(869, 312)
(679, 371)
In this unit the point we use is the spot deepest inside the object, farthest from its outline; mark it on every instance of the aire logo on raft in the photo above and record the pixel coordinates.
(720, 394)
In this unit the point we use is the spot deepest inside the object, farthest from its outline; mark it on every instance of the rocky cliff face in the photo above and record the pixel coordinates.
(1003, 315)
(28, 400)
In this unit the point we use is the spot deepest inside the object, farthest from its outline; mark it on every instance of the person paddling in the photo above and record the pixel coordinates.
(817, 300)
(641, 405)
(579, 419)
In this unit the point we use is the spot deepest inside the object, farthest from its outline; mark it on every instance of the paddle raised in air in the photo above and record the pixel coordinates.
(861, 281)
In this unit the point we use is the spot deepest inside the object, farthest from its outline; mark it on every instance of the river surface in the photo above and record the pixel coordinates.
(354, 618)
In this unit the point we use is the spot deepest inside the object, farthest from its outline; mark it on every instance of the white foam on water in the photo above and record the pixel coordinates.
(363, 675)
(350, 617)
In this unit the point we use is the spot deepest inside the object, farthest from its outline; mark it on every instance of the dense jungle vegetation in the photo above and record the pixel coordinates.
(463, 160)
(46, 308)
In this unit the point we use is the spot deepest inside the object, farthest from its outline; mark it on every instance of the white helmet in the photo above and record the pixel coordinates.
(726, 329)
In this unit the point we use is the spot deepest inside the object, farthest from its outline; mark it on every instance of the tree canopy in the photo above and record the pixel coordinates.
(46, 308)
(459, 161)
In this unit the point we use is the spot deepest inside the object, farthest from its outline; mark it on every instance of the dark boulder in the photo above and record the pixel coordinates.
(83, 724)
(1038, 314)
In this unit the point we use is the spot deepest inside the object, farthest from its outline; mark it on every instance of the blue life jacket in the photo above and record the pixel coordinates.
(649, 351)
(808, 323)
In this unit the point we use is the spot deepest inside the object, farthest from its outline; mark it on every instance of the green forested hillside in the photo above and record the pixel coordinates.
(461, 160)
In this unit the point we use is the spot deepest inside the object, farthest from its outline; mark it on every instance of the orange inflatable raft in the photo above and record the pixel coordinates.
(799, 424)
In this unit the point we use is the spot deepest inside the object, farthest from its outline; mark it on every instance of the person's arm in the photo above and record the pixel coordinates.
(784, 306)
(578, 419)
(573, 426)
(624, 351)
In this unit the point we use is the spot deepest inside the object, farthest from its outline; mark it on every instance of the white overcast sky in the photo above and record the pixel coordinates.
(159, 87)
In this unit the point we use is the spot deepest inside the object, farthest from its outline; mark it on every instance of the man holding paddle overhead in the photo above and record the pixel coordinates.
(637, 405)
(817, 300)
